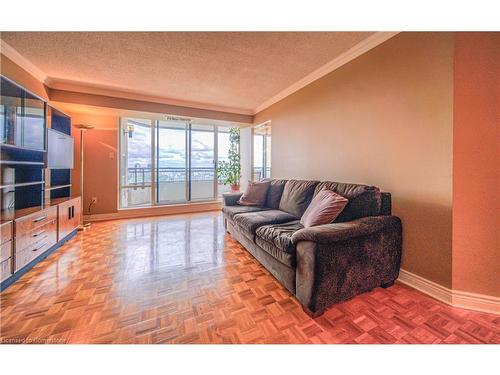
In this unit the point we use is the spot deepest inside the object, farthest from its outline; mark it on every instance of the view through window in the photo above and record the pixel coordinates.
(170, 161)
(262, 152)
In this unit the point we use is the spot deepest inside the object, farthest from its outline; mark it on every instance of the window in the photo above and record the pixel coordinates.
(170, 161)
(262, 152)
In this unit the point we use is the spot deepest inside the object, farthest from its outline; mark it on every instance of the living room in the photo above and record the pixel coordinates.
(250, 187)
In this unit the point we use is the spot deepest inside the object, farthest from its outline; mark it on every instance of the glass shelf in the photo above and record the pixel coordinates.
(21, 184)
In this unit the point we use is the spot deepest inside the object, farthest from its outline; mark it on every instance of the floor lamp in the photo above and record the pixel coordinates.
(82, 128)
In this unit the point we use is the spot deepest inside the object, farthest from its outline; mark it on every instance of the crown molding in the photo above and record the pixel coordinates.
(452, 297)
(22, 61)
(364, 46)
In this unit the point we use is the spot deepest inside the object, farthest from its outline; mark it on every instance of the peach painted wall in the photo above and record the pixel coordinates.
(100, 161)
(386, 119)
(476, 249)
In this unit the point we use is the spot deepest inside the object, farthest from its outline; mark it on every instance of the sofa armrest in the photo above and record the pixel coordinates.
(231, 199)
(335, 232)
(338, 261)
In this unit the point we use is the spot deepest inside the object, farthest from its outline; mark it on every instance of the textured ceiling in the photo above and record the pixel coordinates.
(240, 70)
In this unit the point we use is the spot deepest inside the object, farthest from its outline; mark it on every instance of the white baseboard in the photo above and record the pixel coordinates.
(455, 298)
(156, 211)
(478, 302)
(431, 288)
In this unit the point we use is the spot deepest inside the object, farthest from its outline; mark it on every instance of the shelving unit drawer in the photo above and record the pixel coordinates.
(5, 251)
(5, 269)
(5, 232)
(33, 221)
(41, 233)
(27, 255)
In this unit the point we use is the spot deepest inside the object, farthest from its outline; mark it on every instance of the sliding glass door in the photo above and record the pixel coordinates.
(135, 162)
(170, 161)
(262, 152)
(202, 163)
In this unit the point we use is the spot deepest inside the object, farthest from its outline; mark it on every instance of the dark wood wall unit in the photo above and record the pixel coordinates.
(68, 216)
(6, 263)
(14, 155)
(37, 211)
(60, 179)
(60, 121)
(23, 127)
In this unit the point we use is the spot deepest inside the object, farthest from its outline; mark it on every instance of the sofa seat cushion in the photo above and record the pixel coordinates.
(364, 200)
(276, 240)
(230, 211)
(296, 196)
(288, 259)
(249, 222)
(280, 235)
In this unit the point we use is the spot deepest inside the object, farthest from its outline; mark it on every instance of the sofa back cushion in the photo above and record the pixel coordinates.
(364, 200)
(274, 193)
(296, 196)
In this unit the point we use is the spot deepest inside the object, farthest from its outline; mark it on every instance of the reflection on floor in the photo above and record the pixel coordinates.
(181, 279)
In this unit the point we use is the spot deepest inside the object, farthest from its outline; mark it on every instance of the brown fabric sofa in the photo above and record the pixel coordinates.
(325, 264)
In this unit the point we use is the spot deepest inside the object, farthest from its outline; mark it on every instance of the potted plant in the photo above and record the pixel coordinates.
(229, 171)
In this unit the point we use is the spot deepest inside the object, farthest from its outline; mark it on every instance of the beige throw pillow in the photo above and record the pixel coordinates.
(324, 209)
(256, 194)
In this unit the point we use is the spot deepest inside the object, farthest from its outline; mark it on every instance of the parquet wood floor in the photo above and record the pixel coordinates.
(181, 279)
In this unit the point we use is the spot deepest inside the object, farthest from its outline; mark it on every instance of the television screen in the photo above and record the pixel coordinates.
(59, 150)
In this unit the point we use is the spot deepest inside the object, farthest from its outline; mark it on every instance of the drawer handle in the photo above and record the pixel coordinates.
(42, 245)
(41, 218)
(39, 233)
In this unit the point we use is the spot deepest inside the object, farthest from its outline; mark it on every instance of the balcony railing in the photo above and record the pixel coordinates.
(172, 186)
(258, 173)
(141, 176)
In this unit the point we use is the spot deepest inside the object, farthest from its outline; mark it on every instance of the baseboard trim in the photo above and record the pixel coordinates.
(455, 298)
(156, 211)
(431, 288)
(478, 302)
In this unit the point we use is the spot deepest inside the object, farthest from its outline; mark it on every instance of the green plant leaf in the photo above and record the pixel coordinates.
(230, 171)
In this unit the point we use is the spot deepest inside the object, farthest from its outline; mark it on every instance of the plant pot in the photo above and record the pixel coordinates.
(235, 188)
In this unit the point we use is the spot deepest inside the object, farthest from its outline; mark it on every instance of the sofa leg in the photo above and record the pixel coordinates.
(387, 285)
(313, 314)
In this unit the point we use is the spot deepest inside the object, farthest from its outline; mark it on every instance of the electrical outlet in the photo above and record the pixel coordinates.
(94, 199)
